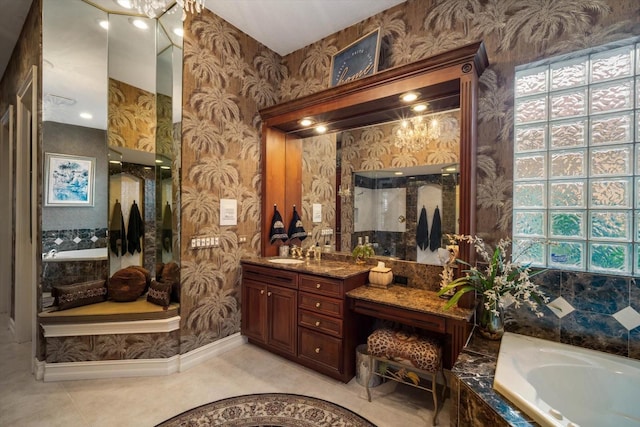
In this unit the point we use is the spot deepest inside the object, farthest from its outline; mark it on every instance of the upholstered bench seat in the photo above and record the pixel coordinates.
(410, 349)
(421, 355)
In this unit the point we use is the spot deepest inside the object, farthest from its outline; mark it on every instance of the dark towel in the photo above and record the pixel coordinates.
(422, 233)
(117, 234)
(435, 240)
(135, 230)
(167, 228)
(296, 230)
(277, 227)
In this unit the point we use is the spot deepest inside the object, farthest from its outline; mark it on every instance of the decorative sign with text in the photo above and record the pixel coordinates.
(357, 60)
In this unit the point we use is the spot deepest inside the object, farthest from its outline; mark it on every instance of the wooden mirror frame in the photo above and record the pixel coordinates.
(443, 80)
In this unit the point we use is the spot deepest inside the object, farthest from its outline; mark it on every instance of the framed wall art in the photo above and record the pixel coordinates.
(69, 180)
(357, 60)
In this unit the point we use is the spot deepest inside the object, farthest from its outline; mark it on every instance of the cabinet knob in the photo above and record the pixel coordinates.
(317, 305)
(317, 349)
(262, 292)
(268, 294)
(317, 285)
(317, 323)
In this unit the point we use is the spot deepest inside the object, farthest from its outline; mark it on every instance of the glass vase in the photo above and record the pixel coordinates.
(490, 322)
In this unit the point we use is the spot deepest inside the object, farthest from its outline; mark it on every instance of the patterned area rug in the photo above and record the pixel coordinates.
(269, 410)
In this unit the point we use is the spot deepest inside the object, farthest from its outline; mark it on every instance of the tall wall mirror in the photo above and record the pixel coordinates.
(373, 156)
(387, 175)
(110, 115)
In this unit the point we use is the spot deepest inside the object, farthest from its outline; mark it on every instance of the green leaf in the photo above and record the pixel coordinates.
(454, 299)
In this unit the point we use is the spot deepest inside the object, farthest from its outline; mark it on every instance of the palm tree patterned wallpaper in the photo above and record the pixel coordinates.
(228, 77)
(132, 117)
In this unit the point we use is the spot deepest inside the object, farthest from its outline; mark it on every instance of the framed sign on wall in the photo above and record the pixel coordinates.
(357, 60)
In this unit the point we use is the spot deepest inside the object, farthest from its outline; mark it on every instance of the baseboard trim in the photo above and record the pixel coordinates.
(216, 348)
(68, 371)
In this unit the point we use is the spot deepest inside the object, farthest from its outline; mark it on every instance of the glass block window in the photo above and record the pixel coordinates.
(576, 169)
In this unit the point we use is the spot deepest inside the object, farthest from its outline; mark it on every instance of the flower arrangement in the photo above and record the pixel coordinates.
(502, 279)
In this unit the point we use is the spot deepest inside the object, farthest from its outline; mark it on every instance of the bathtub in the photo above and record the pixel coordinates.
(95, 254)
(561, 385)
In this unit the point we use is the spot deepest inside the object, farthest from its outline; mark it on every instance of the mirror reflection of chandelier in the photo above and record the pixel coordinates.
(417, 133)
(151, 7)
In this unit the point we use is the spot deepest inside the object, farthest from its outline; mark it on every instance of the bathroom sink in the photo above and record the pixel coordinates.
(286, 261)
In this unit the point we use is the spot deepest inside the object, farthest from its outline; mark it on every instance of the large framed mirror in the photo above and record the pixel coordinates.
(446, 83)
(112, 88)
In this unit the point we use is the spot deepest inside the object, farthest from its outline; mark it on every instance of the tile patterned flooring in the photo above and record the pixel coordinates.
(146, 401)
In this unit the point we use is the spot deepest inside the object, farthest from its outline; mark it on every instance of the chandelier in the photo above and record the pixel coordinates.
(151, 7)
(417, 133)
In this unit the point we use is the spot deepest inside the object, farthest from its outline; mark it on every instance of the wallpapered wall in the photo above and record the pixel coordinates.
(132, 117)
(228, 77)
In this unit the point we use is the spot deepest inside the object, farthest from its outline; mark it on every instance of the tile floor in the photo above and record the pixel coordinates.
(147, 401)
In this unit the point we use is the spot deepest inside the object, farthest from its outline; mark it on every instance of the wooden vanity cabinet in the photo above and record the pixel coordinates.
(269, 306)
(325, 332)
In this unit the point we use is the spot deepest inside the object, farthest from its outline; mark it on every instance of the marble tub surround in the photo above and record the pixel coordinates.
(69, 272)
(474, 402)
(595, 311)
(71, 240)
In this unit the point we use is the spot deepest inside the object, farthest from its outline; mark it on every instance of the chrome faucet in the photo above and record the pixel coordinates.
(51, 254)
(296, 251)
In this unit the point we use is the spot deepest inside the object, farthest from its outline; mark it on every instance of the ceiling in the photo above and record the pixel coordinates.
(282, 25)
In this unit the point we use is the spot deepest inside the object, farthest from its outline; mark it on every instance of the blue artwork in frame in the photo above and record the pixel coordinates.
(357, 60)
(69, 180)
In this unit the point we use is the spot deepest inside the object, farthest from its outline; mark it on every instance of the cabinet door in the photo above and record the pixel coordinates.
(254, 310)
(282, 308)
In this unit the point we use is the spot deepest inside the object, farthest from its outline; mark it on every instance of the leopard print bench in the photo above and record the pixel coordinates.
(409, 351)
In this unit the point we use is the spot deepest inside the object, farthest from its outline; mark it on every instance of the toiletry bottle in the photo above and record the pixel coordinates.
(317, 254)
(327, 246)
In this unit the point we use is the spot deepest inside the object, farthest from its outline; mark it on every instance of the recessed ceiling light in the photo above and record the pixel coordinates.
(306, 122)
(419, 107)
(321, 129)
(86, 116)
(178, 32)
(103, 23)
(165, 167)
(398, 173)
(139, 23)
(409, 97)
(125, 3)
(450, 169)
(115, 162)
(158, 160)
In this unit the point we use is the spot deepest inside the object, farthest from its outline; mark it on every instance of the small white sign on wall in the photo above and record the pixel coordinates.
(317, 212)
(228, 212)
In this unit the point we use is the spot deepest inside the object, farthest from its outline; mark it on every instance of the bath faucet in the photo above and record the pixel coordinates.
(51, 254)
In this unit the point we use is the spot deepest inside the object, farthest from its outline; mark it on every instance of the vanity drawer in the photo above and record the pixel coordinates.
(271, 276)
(319, 348)
(320, 304)
(320, 323)
(321, 285)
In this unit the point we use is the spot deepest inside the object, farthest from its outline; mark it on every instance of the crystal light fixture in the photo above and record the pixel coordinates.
(417, 133)
(151, 7)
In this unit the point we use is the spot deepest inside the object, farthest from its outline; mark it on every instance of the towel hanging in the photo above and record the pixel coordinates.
(135, 230)
(422, 232)
(277, 231)
(296, 230)
(117, 234)
(167, 228)
(435, 240)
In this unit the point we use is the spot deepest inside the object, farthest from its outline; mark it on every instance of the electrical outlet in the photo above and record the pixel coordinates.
(193, 243)
(242, 239)
(207, 242)
(216, 242)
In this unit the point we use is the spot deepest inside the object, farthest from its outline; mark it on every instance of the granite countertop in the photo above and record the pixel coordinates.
(328, 268)
(412, 299)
